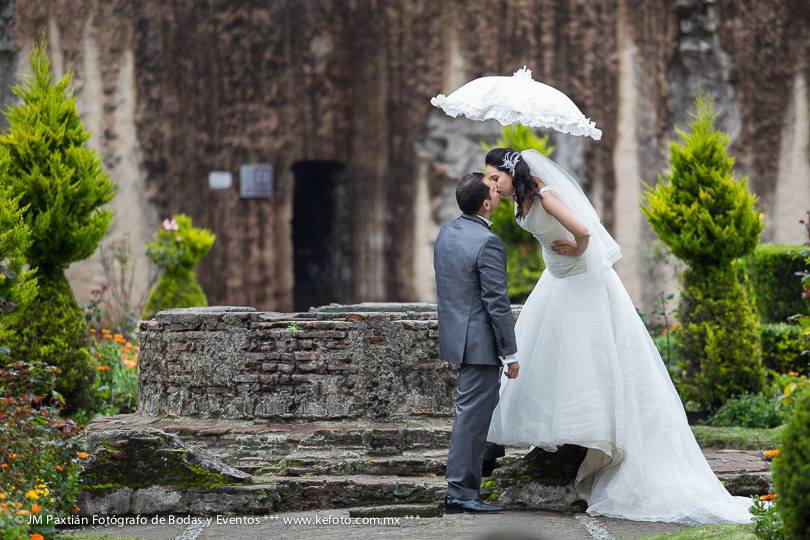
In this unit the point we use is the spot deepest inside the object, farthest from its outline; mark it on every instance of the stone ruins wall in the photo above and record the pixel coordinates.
(346, 363)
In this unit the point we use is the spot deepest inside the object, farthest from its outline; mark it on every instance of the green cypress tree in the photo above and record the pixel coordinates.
(18, 286)
(708, 219)
(62, 187)
(524, 261)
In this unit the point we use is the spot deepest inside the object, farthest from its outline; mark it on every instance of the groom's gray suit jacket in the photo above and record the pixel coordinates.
(475, 317)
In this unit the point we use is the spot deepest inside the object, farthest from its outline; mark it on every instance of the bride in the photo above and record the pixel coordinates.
(590, 374)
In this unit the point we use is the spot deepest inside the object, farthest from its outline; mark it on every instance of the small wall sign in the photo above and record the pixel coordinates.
(220, 179)
(256, 181)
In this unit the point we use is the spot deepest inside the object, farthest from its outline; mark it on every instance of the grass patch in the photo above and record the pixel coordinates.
(713, 532)
(738, 437)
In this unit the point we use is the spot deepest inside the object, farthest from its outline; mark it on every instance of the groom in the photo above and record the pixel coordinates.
(476, 329)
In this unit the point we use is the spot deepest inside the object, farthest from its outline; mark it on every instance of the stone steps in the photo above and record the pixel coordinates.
(343, 464)
(344, 491)
(430, 462)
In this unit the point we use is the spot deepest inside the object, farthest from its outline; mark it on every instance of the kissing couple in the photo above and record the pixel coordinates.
(579, 366)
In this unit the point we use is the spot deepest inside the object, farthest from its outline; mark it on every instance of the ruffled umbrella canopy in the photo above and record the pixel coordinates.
(518, 99)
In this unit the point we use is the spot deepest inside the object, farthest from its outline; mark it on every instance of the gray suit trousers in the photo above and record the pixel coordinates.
(476, 399)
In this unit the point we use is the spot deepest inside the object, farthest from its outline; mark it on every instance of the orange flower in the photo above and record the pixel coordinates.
(35, 508)
(771, 453)
(103, 368)
(75, 509)
(36, 536)
(92, 330)
(120, 339)
(769, 496)
(12, 456)
(58, 467)
(83, 455)
(100, 354)
(108, 336)
(128, 347)
(4, 466)
(794, 373)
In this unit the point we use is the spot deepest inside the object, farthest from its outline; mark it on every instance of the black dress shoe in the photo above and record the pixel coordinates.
(487, 467)
(473, 506)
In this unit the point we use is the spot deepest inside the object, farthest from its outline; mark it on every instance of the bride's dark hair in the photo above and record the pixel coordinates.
(522, 181)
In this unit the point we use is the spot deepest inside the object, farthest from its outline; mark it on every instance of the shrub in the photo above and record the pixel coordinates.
(719, 337)
(768, 522)
(751, 411)
(39, 460)
(176, 249)
(791, 471)
(54, 334)
(708, 219)
(787, 388)
(524, 261)
(62, 188)
(771, 272)
(17, 285)
(782, 346)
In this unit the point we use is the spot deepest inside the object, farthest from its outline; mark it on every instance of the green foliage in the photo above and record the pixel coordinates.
(178, 245)
(719, 337)
(791, 472)
(708, 219)
(782, 347)
(18, 286)
(752, 411)
(39, 456)
(176, 248)
(523, 257)
(787, 388)
(698, 208)
(60, 181)
(771, 273)
(175, 290)
(52, 331)
(768, 522)
(62, 188)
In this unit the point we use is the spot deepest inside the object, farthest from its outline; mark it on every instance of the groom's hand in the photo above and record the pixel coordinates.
(512, 369)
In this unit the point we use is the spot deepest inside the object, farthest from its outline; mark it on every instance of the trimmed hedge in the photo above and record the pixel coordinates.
(176, 289)
(53, 328)
(791, 472)
(719, 337)
(782, 347)
(771, 275)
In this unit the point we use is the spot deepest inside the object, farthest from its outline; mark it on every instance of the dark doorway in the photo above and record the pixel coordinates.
(321, 234)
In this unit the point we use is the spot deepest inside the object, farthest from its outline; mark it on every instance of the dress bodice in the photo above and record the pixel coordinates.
(546, 229)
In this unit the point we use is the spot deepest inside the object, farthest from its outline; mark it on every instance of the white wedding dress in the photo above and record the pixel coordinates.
(590, 375)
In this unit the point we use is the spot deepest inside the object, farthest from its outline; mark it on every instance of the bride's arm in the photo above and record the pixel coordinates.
(567, 219)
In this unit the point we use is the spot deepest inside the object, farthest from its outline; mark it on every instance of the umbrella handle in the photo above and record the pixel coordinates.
(512, 134)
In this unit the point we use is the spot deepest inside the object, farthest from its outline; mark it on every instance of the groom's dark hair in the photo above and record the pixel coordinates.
(471, 192)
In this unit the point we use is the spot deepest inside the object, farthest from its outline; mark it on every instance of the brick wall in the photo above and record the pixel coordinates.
(242, 364)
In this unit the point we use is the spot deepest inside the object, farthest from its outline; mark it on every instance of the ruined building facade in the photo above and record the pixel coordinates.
(335, 95)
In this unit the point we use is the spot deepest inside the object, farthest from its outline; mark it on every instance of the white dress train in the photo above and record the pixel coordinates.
(590, 375)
